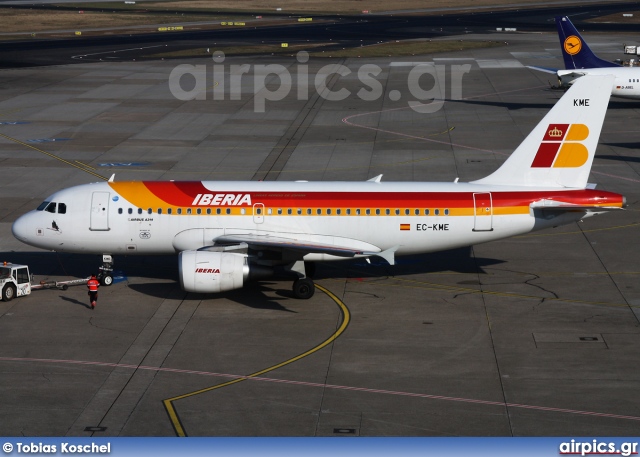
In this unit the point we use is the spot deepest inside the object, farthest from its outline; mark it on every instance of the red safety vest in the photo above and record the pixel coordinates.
(93, 285)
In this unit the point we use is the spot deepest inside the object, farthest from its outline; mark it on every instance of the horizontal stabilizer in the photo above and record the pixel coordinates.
(554, 205)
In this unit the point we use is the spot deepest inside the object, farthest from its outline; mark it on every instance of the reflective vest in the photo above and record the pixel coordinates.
(93, 285)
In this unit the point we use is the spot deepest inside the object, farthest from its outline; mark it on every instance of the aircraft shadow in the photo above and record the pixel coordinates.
(256, 293)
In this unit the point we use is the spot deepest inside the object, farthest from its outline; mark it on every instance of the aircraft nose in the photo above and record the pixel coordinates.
(22, 228)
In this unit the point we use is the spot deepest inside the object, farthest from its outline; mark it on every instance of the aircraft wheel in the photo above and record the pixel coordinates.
(303, 288)
(106, 280)
(8, 292)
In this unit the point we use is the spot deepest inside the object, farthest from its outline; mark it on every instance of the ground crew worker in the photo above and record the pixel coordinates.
(93, 285)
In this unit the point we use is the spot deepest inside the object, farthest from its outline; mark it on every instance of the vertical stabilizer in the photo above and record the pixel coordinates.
(575, 51)
(560, 149)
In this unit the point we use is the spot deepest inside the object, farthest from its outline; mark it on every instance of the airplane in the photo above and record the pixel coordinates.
(226, 233)
(579, 60)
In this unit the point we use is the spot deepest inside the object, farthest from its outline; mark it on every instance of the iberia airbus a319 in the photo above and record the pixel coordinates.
(228, 232)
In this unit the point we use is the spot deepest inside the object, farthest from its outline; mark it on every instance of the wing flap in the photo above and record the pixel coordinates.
(302, 246)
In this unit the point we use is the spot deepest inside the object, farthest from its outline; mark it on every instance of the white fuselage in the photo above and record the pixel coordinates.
(371, 217)
(627, 79)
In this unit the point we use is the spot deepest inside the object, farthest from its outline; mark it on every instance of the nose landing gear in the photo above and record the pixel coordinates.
(105, 272)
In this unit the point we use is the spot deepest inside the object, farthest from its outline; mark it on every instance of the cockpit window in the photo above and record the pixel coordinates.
(42, 206)
(62, 208)
(51, 208)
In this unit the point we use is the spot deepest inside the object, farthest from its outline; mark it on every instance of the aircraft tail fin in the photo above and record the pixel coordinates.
(560, 149)
(575, 51)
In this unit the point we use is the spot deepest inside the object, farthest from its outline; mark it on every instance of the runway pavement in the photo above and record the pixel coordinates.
(530, 336)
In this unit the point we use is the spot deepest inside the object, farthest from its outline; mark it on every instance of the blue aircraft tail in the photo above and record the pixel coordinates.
(575, 51)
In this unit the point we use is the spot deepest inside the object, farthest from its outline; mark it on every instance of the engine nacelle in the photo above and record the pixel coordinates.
(211, 272)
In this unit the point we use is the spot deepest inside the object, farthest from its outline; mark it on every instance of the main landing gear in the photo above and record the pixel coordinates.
(303, 287)
(105, 272)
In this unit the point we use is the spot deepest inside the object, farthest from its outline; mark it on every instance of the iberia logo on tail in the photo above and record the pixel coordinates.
(562, 147)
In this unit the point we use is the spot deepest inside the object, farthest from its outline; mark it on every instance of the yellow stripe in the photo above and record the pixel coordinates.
(346, 318)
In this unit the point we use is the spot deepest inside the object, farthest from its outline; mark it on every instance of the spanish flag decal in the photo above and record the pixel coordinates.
(405, 226)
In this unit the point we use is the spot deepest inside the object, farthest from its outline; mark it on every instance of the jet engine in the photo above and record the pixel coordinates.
(211, 272)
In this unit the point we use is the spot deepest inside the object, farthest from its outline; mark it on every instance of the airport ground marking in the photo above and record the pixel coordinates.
(328, 386)
(53, 156)
(345, 319)
(423, 285)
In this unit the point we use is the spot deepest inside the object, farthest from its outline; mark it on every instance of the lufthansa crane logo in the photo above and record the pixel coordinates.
(572, 45)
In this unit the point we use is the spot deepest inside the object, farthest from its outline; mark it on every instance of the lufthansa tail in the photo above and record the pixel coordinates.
(575, 51)
(560, 149)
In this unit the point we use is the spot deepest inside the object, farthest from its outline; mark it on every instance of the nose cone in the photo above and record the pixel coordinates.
(22, 229)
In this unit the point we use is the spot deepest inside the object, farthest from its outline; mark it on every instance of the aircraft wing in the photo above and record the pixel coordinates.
(544, 69)
(300, 246)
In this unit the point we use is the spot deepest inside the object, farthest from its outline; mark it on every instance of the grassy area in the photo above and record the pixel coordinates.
(314, 6)
(403, 48)
(19, 20)
(618, 18)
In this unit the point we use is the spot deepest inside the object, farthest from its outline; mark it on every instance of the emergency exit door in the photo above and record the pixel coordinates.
(99, 211)
(483, 216)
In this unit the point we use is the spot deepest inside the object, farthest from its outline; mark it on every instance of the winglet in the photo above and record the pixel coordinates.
(388, 254)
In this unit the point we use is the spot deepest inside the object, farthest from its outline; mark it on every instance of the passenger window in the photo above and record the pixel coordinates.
(397, 212)
(139, 210)
(228, 211)
(358, 211)
(149, 211)
(188, 210)
(417, 212)
(406, 212)
(308, 210)
(289, 211)
(179, 210)
(329, 211)
(243, 210)
(279, 210)
(130, 211)
(426, 212)
(368, 211)
(169, 210)
(387, 211)
(119, 210)
(338, 211)
(159, 210)
(62, 208)
(319, 212)
(218, 211)
(446, 212)
(436, 212)
(199, 211)
(348, 211)
(299, 211)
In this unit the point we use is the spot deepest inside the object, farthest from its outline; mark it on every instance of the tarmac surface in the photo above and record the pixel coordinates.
(535, 335)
